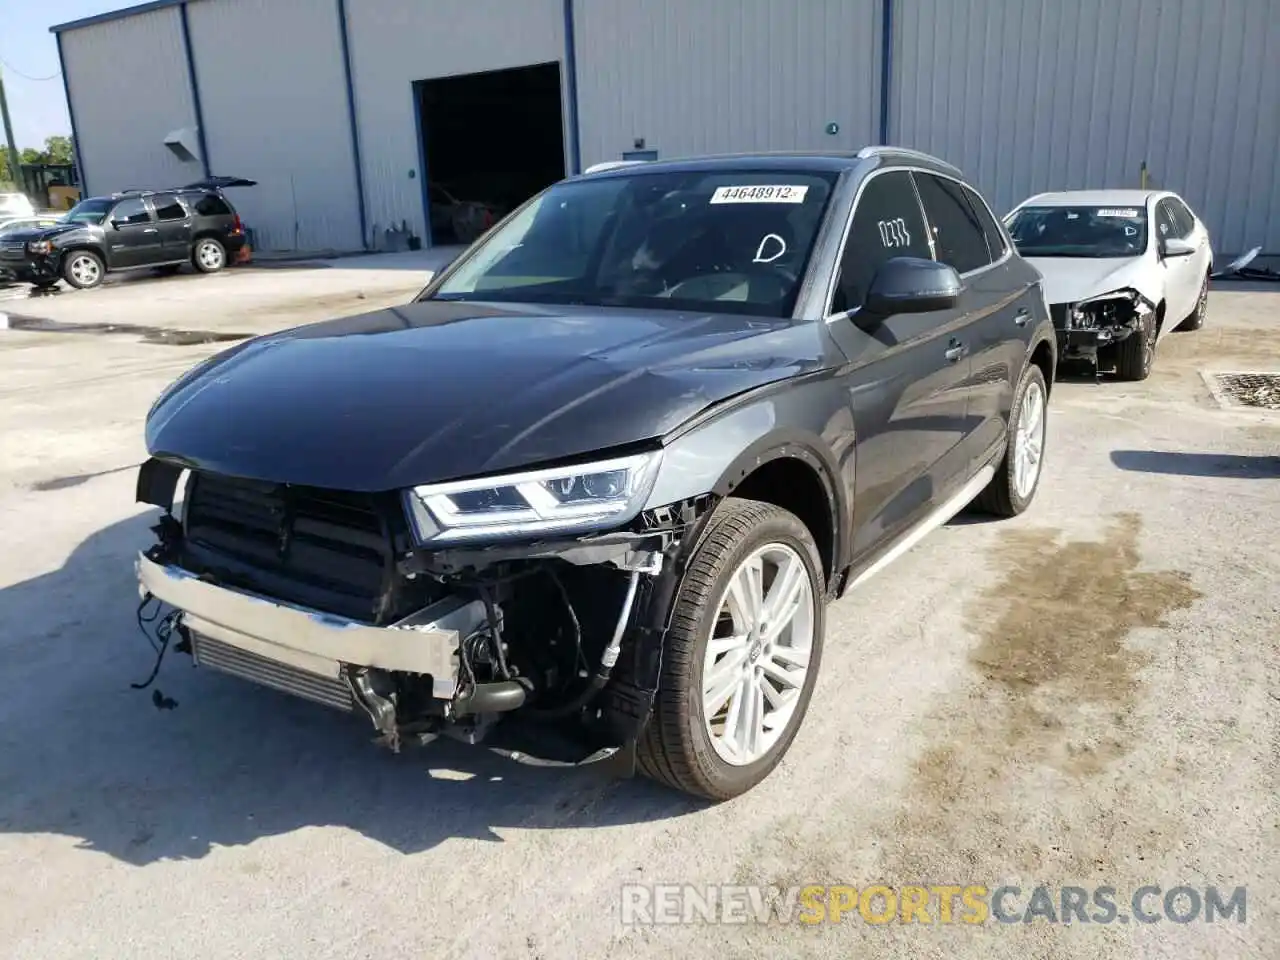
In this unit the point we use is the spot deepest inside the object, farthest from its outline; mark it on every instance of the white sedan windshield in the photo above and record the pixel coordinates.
(1055, 231)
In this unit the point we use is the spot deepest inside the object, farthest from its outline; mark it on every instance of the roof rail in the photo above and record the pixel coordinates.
(611, 165)
(904, 153)
(879, 150)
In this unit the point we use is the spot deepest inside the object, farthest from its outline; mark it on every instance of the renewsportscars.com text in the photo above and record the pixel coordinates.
(649, 904)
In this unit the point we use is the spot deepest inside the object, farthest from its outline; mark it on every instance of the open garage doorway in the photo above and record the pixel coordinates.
(489, 142)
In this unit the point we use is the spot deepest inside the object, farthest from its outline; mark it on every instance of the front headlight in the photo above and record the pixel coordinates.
(40, 246)
(559, 500)
(1086, 313)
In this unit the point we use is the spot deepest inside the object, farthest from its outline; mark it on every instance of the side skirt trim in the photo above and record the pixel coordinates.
(941, 515)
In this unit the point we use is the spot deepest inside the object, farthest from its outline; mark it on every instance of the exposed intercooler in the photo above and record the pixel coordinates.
(330, 691)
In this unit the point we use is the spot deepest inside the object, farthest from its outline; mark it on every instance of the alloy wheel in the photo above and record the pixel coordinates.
(1028, 441)
(209, 255)
(757, 657)
(85, 270)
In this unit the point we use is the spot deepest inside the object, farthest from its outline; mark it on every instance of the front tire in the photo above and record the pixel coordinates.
(1017, 478)
(1136, 354)
(209, 256)
(83, 269)
(742, 654)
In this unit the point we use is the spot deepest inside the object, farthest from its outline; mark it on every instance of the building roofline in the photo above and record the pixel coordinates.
(115, 15)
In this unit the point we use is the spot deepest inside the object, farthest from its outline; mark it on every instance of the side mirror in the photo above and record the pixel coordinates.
(912, 285)
(117, 224)
(1177, 247)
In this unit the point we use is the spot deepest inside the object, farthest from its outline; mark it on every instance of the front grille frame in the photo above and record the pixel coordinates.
(364, 583)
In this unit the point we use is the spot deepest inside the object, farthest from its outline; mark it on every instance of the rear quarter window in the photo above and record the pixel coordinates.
(996, 245)
(211, 205)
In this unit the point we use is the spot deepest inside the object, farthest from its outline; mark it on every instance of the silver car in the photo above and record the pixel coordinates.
(1121, 269)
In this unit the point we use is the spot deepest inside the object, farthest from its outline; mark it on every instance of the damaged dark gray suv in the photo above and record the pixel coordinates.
(588, 495)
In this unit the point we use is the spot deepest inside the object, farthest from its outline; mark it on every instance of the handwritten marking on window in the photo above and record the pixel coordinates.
(894, 233)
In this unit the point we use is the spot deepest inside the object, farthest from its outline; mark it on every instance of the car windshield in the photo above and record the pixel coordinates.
(18, 226)
(1085, 231)
(729, 241)
(88, 211)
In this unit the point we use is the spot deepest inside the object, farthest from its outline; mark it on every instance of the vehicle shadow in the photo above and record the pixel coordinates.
(83, 755)
(1198, 464)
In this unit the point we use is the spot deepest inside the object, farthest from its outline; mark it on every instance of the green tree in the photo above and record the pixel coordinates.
(56, 150)
(59, 150)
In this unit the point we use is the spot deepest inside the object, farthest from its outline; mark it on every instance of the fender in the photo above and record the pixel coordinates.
(810, 422)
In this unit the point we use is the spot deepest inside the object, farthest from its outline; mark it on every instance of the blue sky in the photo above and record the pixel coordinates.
(38, 107)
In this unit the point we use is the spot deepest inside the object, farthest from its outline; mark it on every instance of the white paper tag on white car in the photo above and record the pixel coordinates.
(760, 193)
(1127, 212)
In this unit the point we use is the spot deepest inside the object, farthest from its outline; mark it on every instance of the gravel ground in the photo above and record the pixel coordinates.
(1088, 695)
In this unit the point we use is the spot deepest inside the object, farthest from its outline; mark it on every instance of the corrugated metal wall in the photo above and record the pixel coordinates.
(1033, 95)
(1026, 95)
(704, 76)
(129, 89)
(274, 99)
(397, 42)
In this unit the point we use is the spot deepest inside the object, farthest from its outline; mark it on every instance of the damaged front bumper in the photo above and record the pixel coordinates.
(1086, 327)
(310, 650)
(484, 655)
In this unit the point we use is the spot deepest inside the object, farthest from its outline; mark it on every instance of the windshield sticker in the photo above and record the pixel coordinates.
(1127, 213)
(774, 250)
(764, 193)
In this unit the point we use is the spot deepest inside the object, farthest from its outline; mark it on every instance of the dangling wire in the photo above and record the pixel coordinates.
(164, 632)
(145, 620)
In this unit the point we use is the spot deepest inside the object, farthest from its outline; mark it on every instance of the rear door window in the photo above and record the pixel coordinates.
(886, 224)
(169, 208)
(1183, 221)
(957, 235)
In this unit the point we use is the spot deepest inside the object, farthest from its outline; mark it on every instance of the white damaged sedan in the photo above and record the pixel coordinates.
(1121, 269)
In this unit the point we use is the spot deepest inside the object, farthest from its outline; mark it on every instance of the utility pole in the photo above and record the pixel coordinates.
(14, 160)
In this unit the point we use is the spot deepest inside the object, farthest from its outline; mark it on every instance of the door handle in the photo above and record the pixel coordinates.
(955, 351)
(1022, 317)
(151, 230)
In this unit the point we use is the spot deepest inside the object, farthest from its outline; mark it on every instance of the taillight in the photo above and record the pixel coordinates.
(237, 227)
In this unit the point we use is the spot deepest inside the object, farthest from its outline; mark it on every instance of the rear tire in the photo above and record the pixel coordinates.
(209, 256)
(1196, 320)
(1136, 354)
(83, 269)
(1012, 489)
(760, 642)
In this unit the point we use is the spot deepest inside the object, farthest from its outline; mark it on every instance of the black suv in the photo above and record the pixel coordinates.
(127, 231)
(589, 494)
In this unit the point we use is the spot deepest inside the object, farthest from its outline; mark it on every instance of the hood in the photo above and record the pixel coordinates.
(443, 390)
(44, 233)
(1071, 279)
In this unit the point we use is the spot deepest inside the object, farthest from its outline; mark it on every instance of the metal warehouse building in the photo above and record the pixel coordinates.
(348, 113)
